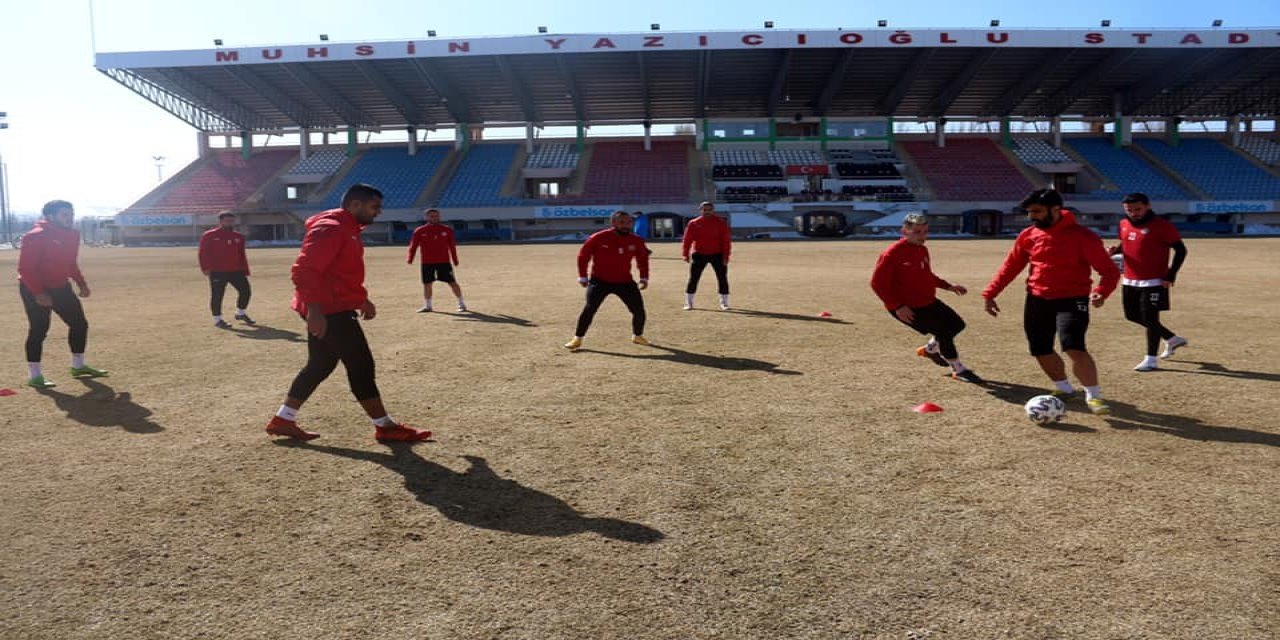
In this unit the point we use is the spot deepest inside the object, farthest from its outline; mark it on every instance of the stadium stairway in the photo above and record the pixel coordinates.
(1153, 159)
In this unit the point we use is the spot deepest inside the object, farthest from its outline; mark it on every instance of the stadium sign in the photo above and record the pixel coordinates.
(575, 212)
(711, 40)
(1241, 206)
(147, 220)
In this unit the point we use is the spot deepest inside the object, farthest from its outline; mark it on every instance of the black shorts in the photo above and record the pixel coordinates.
(1153, 298)
(442, 271)
(1067, 318)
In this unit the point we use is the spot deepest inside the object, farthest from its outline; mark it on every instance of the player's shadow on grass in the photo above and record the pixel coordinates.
(481, 498)
(1127, 416)
(1215, 369)
(102, 406)
(473, 316)
(702, 360)
(263, 332)
(778, 315)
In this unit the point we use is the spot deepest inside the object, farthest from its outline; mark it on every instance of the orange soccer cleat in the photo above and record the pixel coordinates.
(290, 429)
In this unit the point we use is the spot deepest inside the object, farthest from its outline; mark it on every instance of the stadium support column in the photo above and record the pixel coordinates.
(1006, 132)
(822, 134)
(888, 128)
(413, 141)
(1171, 134)
(528, 138)
(1233, 130)
(202, 144)
(246, 144)
(940, 132)
(352, 137)
(773, 133)
(582, 137)
(648, 136)
(1055, 130)
(304, 144)
(1121, 135)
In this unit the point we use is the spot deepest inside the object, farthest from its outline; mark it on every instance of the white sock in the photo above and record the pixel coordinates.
(384, 422)
(426, 302)
(288, 413)
(217, 319)
(956, 365)
(931, 346)
(33, 370)
(1063, 385)
(724, 299)
(77, 360)
(1093, 392)
(239, 312)
(460, 302)
(688, 299)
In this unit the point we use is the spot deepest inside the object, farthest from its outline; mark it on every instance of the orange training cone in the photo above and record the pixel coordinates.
(927, 407)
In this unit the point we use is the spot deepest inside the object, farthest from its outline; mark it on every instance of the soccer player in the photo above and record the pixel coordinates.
(1062, 255)
(1145, 241)
(439, 257)
(328, 277)
(904, 281)
(709, 238)
(222, 259)
(45, 264)
(610, 253)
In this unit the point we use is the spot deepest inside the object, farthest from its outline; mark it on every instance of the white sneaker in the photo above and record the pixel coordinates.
(1172, 345)
(688, 307)
(1147, 364)
(724, 306)
(462, 308)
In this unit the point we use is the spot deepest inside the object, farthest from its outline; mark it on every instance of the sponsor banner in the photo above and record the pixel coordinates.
(151, 220)
(1241, 206)
(1175, 38)
(575, 212)
(808, 170)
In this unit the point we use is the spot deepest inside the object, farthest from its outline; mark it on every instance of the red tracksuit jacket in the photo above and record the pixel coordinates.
(222, 250)
(1061, 258)
(903, 276)
(329, 270)
(707, 235)
(438, 246)
(610, 254)
(48, 258)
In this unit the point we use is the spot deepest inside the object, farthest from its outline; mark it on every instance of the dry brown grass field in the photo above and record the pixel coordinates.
(757, 473)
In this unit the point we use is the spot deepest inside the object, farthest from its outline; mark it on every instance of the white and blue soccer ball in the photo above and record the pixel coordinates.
(1045, 409)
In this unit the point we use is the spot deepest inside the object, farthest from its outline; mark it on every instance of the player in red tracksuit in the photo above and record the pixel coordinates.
(1062, 255)
(1145, 241)
(905, 282)
(329, 294)
(708, 237)
(439, 257)
(45, 264)
(222, 259)
(610, 254)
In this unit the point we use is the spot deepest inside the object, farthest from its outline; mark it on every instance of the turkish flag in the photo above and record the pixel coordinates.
(808, 170)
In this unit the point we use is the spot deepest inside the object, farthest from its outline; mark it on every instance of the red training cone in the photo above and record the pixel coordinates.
(8, 392)
(927, 407)
(824, 314)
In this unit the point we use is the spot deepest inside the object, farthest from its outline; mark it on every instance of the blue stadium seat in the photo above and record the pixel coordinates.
(479, 178)
(400, 176)
(1128, 171)
(1215, 169)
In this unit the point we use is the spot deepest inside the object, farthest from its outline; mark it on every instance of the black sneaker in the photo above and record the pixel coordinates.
(936, 357)
(968, 376)
(222, 324)
(244, 317)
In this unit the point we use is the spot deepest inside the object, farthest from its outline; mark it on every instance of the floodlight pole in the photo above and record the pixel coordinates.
(4, 190)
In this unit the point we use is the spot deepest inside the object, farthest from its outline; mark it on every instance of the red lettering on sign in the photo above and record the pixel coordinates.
(364, 50)
(1142, 37)
(997, 38)
(227, 56)
(752, 39)
(555, 44)
(1238, 38)
(802, 39)
(945, 38)
(1191, 38)
(851, 38)
(603, 43)
(900, 37)
(653, 41)
(464, 47)
(272, 54)
(317, 52)
(1094, 38)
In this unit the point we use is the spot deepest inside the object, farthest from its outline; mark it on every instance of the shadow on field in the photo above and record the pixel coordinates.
(1215, 369)
(263, 332)
(702, 360)
(778, 315)
(481, 498)
(1127, 416)
(101, 406)
(473, 316)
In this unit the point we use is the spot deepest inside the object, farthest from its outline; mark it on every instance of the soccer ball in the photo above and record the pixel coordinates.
(1045, 409)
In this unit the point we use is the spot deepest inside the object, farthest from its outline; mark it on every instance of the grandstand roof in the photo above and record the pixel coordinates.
(659, 76)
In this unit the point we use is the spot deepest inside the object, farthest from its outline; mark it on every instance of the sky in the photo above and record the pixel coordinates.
(77, 135)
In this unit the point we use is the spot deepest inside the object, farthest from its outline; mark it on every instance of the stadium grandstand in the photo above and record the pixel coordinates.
(525, 138)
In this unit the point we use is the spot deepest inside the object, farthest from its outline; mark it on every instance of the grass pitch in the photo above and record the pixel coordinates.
(756, 473)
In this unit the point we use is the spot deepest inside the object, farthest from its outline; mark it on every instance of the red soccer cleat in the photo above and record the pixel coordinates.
(400, 433)
(290, 429)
